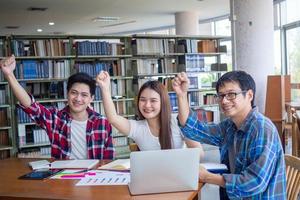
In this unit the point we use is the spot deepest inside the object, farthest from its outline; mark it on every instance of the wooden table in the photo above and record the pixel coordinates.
(13, 188)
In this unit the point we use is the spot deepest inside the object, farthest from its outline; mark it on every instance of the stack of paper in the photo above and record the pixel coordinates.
(40, 164)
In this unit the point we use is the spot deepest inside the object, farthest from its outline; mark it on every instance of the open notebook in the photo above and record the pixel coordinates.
(120, 164)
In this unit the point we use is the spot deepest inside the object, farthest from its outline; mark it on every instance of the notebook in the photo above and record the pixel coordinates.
(164, 171)
(119, 164)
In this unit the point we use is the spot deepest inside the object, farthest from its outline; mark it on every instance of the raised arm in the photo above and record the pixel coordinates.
(8, 66)
(180, 85)
(119, 122)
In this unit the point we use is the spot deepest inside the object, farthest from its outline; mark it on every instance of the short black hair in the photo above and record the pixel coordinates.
(82, 78)
(245, 81)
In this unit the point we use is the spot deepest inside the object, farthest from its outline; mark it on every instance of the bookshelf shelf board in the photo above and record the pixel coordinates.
(37, 37)
(28, 123)
(44, 57)
(164, 75)
(116, 100)
(4, 106)
(5, 147)
(202, 37)
(198, 90)
(206, 54)
(3, 83)
(157, 55)
(204, 72)
(205, 106)
(5, 127)
(29, 145)
(121, 77)
(107, 57)
(38, 80)
(30, 156)
(51, 100)
(98, 37)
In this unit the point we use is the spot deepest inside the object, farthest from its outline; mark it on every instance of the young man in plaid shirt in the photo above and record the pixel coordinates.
(76, 131)
(249, 142)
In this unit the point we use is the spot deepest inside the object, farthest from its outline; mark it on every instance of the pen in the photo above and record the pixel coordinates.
(73, 176)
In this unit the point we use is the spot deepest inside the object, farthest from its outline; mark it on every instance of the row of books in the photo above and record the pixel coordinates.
(4, 137)
(41, 152)
(47, 47)
(196, 99)
(24, 118)
(197, 46)
(153, 46)
(192, 63)
(33, 69)
(33, 135)
(46, 90)
(1, 48)
(99, 48)
(3, 94)
(1, 76)
(120, 141)
(3, 117)
(169, 46)
(153, 66)
(93, 69)
(122, 107)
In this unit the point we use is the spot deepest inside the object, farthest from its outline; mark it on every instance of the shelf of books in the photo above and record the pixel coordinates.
(160, 57)
(7, 145)
(45, 62)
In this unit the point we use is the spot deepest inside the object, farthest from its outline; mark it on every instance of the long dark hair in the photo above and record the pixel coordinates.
(165, 112)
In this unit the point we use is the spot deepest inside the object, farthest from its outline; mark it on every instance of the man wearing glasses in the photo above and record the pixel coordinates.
(248, 141)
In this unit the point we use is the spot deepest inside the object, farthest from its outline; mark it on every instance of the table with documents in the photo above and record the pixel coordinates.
(13, 188)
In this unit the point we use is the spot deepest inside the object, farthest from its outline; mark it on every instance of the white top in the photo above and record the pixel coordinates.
(141, 134)
(78, 140)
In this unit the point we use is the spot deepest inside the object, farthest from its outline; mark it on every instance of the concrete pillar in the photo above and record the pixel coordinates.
(253, 37)
(186, 23)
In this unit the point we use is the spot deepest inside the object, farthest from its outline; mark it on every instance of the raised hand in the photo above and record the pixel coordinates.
(181, 84)
(8, 65)
(103, 80)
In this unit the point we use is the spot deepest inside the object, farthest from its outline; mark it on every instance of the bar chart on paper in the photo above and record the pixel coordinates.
(106, 178)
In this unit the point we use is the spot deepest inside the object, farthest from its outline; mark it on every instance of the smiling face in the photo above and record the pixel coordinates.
(149, 104)
(238, 107)
(79, 98)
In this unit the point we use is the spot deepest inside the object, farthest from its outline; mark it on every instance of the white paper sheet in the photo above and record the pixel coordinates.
(103, 177)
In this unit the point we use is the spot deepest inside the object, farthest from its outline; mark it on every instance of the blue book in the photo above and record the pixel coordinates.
(215, 168)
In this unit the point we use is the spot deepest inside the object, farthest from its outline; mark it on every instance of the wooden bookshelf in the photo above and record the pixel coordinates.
(44, 62)
(161, 57)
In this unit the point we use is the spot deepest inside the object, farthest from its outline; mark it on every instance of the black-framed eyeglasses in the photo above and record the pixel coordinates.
(229, 96)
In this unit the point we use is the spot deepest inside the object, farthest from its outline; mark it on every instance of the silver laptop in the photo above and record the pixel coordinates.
(164, 171)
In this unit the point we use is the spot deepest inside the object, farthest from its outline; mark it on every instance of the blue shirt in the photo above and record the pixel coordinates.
(259, 168)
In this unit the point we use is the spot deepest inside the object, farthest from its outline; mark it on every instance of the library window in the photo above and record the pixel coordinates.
(292, 10)
(293, 58)
(277, 52)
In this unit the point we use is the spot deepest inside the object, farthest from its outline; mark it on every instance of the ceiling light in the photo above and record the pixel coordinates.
(105, 19)
(12, 27)
(118, 24)
(36, 9)
(39, 30)
(51, 23)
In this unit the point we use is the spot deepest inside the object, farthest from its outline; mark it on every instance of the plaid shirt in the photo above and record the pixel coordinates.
(259, 160)
(57, 124)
